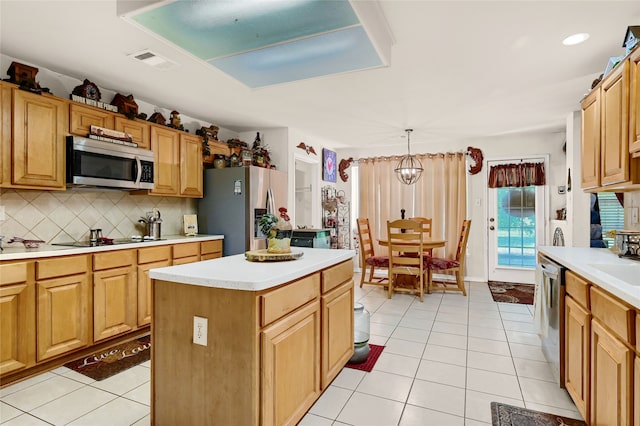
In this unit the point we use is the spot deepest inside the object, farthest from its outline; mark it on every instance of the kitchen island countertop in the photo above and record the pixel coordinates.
(237, 273)
(592, 263)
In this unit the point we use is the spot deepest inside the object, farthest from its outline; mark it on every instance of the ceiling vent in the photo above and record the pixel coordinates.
(153, 59)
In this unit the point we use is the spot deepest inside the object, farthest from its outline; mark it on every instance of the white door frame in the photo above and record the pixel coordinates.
(541, 228)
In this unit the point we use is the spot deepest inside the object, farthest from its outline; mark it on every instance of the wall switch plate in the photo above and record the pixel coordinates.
(634, 215)
(200, 326)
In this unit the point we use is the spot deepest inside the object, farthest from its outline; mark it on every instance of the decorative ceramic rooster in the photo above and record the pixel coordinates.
(307, 148)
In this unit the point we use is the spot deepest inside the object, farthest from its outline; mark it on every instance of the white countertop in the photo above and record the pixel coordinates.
(237, 273)
(17, 251)
(585, 262)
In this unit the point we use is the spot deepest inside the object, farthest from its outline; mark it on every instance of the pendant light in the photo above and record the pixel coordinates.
(409, 169)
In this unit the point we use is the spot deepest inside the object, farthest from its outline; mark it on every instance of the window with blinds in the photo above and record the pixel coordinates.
(611, 214)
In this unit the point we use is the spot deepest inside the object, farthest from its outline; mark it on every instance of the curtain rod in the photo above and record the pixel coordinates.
(398, 157)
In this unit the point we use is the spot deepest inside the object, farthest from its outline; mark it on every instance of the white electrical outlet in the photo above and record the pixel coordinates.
(200, 331)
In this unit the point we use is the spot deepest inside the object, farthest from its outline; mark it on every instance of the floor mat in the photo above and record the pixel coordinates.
(374, 353)
(512, 292)
(508, 415)
(113, 360)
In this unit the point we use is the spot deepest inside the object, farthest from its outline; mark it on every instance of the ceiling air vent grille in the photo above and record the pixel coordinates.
(153, 59)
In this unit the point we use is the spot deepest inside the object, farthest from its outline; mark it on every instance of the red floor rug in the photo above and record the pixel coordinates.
(512, 292)
(508, 415)
(374, 353)
(110, 361)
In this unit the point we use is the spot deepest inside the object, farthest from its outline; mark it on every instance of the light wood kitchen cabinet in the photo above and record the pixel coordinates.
(210, 249)
(5, 133)
(114, 293)
(165, 144)
(186, 253)
(82, 117)
(149, 258)
(634, 102)
(289, 366)
(140, 130)
(590, 152)
(17, 316)
(39, 129)
(63, 305)
(337, 320)
(577, 350)
(191, 166)
(636, 391)
(611, 378)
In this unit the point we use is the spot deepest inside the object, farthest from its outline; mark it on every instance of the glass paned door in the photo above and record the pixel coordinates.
(516, 223)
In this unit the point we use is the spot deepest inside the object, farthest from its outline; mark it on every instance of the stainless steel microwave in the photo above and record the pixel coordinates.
(111, 165)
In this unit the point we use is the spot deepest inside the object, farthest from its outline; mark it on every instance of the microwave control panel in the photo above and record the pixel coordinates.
(147, 171)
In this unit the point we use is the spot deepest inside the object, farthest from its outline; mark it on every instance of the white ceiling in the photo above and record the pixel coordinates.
(457, 69)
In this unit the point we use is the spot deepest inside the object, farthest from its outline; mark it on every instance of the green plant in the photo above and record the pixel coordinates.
(267, 225)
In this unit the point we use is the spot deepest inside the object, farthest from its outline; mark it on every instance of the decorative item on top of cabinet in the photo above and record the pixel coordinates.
(157, 118)
(174, 121)
(126, 105)
(25, 76)
(631, 38)
(88, 90)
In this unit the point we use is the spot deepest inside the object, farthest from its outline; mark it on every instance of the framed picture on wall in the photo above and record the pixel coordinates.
(328, 165)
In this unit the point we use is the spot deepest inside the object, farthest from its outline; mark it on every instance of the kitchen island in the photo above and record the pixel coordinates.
(270, 337)
(600, 333)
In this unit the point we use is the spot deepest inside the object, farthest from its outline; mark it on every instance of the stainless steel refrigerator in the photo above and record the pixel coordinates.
(235, 198)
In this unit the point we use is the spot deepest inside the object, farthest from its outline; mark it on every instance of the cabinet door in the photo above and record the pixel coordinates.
(165, 144)
(17, 316)
(39, 130)
(590, 153)
(634, 101)
(615, 126)
(636, 392)
(144, 291)
(5, 134)
(611, 378)
(114, 302)
(290, 366)
(337, 331)
(577, 335)
(63, 315)
(210, 249)
(191, 166)
(83, 117)
(138, 129)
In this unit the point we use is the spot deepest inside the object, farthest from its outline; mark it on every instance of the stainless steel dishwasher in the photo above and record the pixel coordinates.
(552, 275)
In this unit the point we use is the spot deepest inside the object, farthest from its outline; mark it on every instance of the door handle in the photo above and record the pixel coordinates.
(492, 227)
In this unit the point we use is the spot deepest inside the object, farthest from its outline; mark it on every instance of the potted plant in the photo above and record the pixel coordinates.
(278, 231)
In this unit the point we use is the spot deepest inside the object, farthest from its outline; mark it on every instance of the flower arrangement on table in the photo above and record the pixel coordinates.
(278, 231)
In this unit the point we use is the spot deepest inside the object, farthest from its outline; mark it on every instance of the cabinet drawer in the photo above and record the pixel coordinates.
(184, 260)
(13, 273)
(617, 316)
(336, 275)
(578, 288)
(113, 259)
(186, 250)
(154, 254)
(62, 266)
(208, 247)
(284, 300)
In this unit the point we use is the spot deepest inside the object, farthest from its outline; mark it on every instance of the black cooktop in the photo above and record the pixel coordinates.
(110, 242)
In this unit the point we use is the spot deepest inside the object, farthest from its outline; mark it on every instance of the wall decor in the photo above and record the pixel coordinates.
(342, 166)
(308, 148)
(328, 165)
(477, 157)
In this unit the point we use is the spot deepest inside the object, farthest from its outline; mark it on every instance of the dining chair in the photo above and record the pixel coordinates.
(455, 265)
(407, 256)
(426, 229)
(369, 262)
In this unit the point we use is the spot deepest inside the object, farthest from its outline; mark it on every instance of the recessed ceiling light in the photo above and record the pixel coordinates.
(575, 39)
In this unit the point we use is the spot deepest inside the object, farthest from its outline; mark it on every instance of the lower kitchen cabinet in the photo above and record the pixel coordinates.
(577, 348)
(186, 253)
(210, 249)
(289, 366)
(636, 391)
(17, 316)
(114, 293)
(149, 258)
(611, 378)
(62, 305)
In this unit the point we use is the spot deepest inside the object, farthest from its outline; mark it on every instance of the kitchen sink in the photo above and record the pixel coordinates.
(627, 272)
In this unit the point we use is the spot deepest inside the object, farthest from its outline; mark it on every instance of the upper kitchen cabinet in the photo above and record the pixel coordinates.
(5, 133)
(140, 130)
(634, 103)
(609, 131)
(191, 166)
(37, 146)
(82, 117)
(165, 144)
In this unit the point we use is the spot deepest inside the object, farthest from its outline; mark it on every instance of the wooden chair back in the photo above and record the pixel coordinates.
(462, 242)
(365, 239)
(426, 224)
(406, 253)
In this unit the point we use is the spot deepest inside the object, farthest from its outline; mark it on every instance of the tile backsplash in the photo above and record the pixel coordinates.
(61, 216)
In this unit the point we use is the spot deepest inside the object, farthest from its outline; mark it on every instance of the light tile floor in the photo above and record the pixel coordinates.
(445, 360)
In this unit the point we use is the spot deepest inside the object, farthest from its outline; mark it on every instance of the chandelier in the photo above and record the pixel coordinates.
(409, 169)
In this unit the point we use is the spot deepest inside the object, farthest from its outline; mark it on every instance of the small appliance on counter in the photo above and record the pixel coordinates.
(313, 238)
(628, 244)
